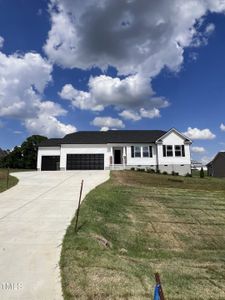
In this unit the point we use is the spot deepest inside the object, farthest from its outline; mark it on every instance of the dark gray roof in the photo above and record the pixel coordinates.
(51, 143)
(104, 137)
(220, 155)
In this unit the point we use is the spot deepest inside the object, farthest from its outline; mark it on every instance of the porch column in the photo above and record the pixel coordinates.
(111, 157)
(124, 156)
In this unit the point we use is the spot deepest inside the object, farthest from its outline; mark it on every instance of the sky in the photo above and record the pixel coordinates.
(72, 65)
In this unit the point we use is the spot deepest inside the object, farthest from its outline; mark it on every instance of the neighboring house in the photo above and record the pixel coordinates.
(195, 165)
(117, 149)
(216, 167)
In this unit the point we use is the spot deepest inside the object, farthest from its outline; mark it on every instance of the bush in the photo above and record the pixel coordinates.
(158, 171)
(150, 170)
(188, 175)
(202, 174)
(164, 173)
(132, 169)
(141, 170)
(175, 173)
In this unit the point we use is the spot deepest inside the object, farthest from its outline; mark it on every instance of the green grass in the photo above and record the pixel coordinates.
(151, 224)
(3, 180)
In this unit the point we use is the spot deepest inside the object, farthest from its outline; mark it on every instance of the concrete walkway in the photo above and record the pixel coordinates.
(33, 218)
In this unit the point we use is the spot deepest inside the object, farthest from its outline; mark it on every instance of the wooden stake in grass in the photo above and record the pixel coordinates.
(7, 179)
(78, 208)
(158, 288)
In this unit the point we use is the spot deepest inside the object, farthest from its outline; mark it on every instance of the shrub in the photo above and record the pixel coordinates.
(132, 169)
(175, 173)
(141, 170)
(202, 174)
(150, 170)
(164, 173)
(188, 175)
(158, 171)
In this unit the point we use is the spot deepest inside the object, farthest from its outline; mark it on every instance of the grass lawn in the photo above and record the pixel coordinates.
(3, 180)
(138, 223)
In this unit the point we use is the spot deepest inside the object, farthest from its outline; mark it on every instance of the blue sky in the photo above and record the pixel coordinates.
(67, 66)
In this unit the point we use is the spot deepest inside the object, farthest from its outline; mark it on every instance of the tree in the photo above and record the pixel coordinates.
(202, 174)
(25, 156)
(29, 150)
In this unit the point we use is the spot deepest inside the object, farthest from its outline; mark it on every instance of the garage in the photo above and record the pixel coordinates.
(85, 161)
(50, 163)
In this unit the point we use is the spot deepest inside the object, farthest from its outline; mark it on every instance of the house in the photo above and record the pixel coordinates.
(117, 149)
(216, 167)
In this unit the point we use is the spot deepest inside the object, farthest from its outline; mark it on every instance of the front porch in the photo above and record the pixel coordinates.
(118, 157)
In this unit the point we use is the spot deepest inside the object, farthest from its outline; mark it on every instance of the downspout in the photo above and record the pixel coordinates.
(157, 157)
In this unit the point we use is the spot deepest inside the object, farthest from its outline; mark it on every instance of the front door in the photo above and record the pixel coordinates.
(117, 156)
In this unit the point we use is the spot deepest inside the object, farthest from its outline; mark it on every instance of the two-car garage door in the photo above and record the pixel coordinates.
(85, 162)
(74, 162)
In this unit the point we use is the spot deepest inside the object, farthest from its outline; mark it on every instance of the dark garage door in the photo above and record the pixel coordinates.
(85, 161)
(50, 163)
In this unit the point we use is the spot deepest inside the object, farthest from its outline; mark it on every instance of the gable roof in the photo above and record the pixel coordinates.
(220, 155)
(186, 139)
(105, 137)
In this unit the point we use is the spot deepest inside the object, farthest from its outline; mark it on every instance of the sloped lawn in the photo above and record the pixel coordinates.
(3, 180)
(136, 224)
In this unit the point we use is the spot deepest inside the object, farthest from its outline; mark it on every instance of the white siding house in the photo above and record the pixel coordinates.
(159, 150)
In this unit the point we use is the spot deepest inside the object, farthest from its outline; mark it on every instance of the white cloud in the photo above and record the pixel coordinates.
(153, 113)
(222, 127)
(80, 99)
(210, 28)
(17, 132)
(199, 134)
(133, 95)
(104, 128)
(200, 37)
(130, 115)
(23, 79)
(107, 122)
(1, 42)
(136, 36)
(197, 149)
(49, 126)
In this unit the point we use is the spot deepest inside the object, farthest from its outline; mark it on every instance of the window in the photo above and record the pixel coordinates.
(179, 150)
(147, 151)
(137, 151)
(167, 150)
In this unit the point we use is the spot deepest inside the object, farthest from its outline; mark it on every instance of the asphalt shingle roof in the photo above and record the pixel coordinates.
(51, 143)
(219, 155)
(104, 137)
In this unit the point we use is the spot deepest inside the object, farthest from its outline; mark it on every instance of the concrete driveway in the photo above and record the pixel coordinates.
(33, 218)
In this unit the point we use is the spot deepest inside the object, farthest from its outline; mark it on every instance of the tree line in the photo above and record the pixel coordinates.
(24, 156)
